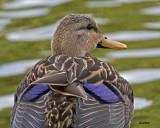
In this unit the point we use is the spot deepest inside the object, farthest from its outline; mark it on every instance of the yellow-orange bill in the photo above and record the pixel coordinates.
(112, 44)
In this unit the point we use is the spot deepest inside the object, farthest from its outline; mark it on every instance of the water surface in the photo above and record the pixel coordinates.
(136, 76)
(24, 13)
(4, 22)
(134, 1)
(94, 4)
(151, 10)
(101, 21)
(17, 4)
(6, 101)
(113, 3)
(137, 53)
(37, 34)
(134, 35)
(140, 103)
(152, 25)
(16, 68)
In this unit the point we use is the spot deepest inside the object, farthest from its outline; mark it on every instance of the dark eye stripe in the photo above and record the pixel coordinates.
(90, 26)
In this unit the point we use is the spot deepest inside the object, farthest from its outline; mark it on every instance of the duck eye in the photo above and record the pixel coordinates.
(89, 27)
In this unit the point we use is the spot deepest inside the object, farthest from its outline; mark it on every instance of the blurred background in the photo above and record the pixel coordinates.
(27, 26)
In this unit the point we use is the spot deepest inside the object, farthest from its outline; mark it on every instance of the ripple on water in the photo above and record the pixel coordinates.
(24, 13)
(151, 10)
(37, 34)
(16, 68)
(141, 53)
(134, 1)
(141, 75)
(42, 33)
(9, 101)
(152, 25)
(113, 3)
(4, 22)
(139, 103)
(133, 35)
(93, 4)
(101, 21)
(17, 4)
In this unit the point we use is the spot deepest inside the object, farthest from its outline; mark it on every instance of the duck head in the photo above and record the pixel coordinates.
(78, 34)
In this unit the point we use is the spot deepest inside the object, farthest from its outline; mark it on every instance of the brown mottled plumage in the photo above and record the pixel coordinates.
(66, 103)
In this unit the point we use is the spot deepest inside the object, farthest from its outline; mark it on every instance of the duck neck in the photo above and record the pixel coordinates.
(68, 50)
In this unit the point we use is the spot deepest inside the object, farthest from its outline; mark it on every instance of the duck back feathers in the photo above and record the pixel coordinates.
(61, 92)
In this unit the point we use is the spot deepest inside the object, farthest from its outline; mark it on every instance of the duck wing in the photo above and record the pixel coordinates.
(104, 108)
(41, 107)
(109, 104)
(91, 113)
(42, 83)
(29, 113)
